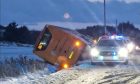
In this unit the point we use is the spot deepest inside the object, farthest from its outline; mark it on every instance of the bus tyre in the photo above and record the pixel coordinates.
(126, 62)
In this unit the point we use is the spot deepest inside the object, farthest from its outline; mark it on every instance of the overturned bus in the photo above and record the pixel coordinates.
(59, 46)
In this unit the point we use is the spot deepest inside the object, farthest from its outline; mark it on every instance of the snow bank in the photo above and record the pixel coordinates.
(120, 74)
(18, 60)
(26, 78)
(135, 58)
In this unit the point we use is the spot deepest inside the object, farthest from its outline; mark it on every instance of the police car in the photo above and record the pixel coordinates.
(111, 49)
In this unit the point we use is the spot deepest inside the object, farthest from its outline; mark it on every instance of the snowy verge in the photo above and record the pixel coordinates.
(26, 77)
(83, 74)
(18, 60)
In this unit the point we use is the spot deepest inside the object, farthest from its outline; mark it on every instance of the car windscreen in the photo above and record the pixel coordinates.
(110, 43)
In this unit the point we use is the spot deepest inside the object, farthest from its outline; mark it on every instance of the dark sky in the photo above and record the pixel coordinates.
(82, 11)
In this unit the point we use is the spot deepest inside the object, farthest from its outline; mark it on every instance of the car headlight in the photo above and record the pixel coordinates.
(94, 52)
(130, 46)
(123, 52)
(137, 48)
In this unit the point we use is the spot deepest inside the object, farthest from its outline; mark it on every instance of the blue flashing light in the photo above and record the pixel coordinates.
(100, 57)
(120, 36)
(114, 54)
(115, 58)
(117, 37)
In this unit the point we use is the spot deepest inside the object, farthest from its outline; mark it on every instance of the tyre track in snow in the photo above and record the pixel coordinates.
(120, 79)
(109, 76)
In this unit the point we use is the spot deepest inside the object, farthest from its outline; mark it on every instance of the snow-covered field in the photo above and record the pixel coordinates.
(12, 50)
(17, 62)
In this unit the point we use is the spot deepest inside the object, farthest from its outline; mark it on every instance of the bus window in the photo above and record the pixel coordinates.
(44, 40)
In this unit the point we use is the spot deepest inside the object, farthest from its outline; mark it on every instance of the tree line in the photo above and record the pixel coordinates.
(21, 34)
(124, 28)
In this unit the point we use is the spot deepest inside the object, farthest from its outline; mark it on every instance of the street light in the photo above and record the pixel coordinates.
(105, 17)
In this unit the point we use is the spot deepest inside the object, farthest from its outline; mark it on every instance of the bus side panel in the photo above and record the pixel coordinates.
(77, 52)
